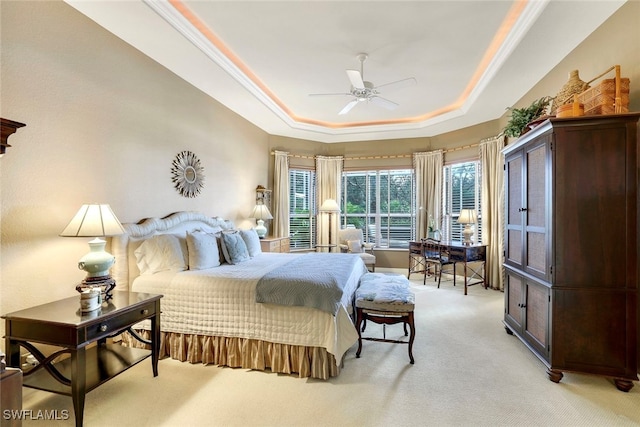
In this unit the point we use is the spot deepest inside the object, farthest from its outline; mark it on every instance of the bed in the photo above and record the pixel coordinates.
(211, 314)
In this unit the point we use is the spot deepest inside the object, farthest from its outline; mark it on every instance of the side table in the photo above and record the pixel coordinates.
(61, 324)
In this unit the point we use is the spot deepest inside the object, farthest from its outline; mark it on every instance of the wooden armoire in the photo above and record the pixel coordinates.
(571, 245)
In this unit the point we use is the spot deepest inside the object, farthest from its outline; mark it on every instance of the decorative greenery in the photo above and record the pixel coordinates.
(521, 117)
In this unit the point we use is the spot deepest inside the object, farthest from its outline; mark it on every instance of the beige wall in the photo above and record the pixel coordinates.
(616, 41)
(104, 123)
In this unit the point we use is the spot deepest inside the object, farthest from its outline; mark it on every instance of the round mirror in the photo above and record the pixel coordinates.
(187, 174)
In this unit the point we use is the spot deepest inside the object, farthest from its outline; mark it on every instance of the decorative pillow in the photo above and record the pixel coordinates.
(252, 241)
(161, 253)
(234, 248)
(354, 246)
(203, 250)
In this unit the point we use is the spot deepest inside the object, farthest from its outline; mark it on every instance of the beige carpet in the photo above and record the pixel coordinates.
(468, 372)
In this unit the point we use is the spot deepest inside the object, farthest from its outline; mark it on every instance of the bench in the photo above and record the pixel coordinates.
(385, 299)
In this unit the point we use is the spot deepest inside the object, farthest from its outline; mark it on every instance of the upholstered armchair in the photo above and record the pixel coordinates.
(351, 240)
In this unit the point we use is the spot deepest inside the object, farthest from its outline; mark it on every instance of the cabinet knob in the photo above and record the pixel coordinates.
(103, 328)
(522, 209)
(145, 312)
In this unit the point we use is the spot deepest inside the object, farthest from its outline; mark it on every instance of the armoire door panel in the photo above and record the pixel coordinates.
(514, 300)
(537, 320)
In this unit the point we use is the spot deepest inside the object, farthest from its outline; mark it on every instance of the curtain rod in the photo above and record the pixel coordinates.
(390, 156)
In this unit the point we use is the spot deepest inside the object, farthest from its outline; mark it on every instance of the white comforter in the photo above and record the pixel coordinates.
(221, 302)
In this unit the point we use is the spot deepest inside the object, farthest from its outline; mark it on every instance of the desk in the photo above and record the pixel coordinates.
(461, 253)
(61, 324)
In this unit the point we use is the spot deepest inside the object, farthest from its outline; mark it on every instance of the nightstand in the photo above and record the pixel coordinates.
(83, 367)
(274, 244)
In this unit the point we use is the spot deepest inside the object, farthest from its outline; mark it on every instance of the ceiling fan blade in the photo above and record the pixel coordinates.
(382, 102)
(411, 81)
(348, 107)
(355, 78)
(329, 94)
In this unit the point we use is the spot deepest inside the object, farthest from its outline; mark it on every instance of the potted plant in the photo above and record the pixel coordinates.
(521, 117)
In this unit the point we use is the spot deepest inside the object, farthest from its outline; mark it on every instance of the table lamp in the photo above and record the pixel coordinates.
(260, 213)
(97, 221)
(467, 217)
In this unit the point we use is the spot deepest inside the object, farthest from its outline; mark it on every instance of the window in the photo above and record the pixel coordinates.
(302, 207)
(382, 204)
(461, 190)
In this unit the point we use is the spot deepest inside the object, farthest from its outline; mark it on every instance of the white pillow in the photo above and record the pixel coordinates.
(233, 246)
(354, 246)
(203, 250)
(252, 241)
(161, 253)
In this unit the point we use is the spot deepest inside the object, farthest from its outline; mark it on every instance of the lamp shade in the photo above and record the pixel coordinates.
(97, 221)
(329, 205)
(261, 212)
(93, 221)
(467, 216)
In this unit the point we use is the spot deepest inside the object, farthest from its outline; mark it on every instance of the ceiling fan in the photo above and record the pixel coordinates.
(363, 90)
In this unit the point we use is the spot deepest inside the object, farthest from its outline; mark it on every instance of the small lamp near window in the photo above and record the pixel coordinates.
(260, 213)
(95, 221)
(467, 217)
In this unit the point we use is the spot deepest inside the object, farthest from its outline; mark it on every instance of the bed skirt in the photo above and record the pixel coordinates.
(314, 362)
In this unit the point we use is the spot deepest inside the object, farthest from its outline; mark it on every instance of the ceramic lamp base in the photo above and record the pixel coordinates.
(97, 262)
(261, 229)
(466, 235)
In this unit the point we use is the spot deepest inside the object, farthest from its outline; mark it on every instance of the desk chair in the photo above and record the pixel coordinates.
(435, 255)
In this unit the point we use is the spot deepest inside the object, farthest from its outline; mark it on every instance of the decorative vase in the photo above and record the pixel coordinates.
(572, 87)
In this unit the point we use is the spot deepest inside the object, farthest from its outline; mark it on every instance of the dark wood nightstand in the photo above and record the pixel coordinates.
(61, 324)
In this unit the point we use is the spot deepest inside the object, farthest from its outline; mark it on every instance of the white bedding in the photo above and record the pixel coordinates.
(220, 301)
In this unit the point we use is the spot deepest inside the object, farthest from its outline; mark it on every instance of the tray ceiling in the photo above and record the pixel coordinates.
(262, 59)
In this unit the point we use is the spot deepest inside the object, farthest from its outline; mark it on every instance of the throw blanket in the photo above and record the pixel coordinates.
(314, 280)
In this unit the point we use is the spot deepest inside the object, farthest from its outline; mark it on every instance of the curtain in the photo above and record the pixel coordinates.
(281, 194)
(428, 169)
(492, 164)
(328, 183)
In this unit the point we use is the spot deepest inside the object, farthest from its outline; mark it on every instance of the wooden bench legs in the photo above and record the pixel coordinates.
(385, 318)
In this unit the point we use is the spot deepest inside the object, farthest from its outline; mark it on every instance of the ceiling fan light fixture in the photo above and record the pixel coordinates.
(366, 91)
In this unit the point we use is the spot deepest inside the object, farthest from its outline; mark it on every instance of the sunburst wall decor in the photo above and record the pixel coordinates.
(187, 174)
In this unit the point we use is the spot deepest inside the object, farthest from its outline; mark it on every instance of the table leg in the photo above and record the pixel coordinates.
(13, 352)
(465, 275)
(155, 340)
(78, 383)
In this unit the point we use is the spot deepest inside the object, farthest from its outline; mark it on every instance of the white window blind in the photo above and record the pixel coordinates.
(302, 208)
(382, 204)
(461, 190)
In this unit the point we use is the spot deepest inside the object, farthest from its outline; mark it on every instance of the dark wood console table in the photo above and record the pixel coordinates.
(85, 367)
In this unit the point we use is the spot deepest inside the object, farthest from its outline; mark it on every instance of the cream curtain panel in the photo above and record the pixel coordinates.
(328, 185)
(428, 169)
(281, 194)
(492, 163)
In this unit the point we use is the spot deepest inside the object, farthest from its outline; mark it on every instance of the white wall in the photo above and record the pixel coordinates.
(104, 123)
